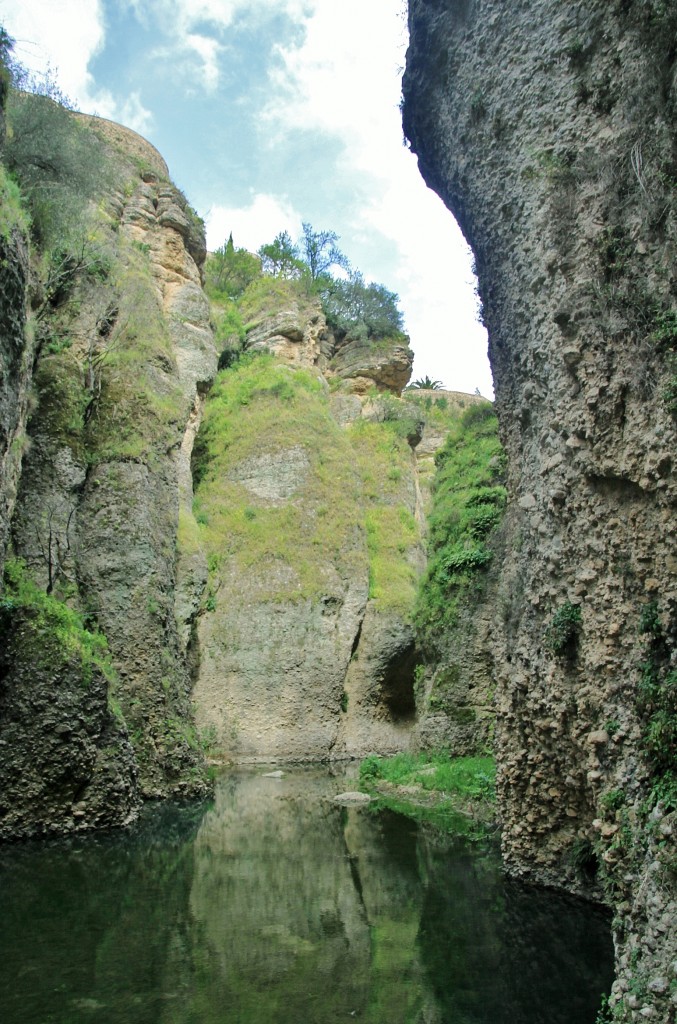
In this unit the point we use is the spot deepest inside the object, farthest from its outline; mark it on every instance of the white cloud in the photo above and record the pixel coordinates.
(179, 21)
(63, 33)
(253, 225)
(208, 51)
(343, 79)
(66, 35)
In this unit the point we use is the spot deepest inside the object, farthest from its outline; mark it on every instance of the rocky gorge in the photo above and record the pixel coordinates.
(202, 563)
(267, 551)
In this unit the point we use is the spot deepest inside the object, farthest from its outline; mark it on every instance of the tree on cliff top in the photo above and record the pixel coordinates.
(229, 270)
(320, 252)
(281, 258)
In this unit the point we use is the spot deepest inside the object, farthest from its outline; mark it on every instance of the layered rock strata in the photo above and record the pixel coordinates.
(549, 131)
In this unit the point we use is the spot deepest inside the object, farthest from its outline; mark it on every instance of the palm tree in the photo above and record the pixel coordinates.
(426, 384)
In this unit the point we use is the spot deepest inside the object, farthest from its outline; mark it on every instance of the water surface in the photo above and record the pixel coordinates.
(273, 906)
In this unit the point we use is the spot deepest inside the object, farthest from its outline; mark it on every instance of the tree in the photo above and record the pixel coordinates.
(367, 310)
(228, 271)
(281, 258)
(320, 252)
(57, 160)
(426, 384)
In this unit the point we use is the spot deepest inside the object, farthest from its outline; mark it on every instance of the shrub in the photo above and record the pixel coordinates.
(468, 503)
(562, 633)
(57, 161)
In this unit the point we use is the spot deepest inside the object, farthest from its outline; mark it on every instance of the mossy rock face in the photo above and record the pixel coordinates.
(303, 522)
(16, 355)
(66, 763)
(279, 508)
(124, 350)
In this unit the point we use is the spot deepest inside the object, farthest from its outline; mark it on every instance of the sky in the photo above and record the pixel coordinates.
(273, 112)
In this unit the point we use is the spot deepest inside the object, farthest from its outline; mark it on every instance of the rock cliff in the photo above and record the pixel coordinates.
(549, 131)
(125, 351)
(201, 562)
(307, 511)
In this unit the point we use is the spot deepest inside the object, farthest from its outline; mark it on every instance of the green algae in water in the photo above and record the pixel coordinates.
(274, 905)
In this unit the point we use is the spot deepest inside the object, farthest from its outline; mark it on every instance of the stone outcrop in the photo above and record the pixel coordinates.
(549, 131)
(298, 334)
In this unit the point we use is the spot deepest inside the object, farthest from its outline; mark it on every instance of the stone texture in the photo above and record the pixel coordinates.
(16, 366)
(66, 761)
(107, 474)
(379, 687)
(384, 363)
(549, 131)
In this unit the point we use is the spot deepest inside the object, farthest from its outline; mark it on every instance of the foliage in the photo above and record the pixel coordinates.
(382, 457)
(61, 631)
(434, 771)
(468, 503)
(361, 310)
(426, 383)
(563, 630)
(282, 258)
(13, 213)
(56, 160)
(228, 271)
(320, 253)
(657, 706)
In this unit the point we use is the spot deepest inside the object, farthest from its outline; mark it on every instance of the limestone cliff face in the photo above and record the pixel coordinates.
(549, 130)
(306, 510)
(123, 360)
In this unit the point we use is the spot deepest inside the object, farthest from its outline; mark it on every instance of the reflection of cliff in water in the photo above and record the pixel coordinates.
(498, 951)
(286, 908)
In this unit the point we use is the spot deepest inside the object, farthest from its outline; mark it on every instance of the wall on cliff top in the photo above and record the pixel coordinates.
(549, 131)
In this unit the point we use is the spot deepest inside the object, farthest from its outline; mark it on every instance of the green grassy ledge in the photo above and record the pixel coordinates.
(456, 794)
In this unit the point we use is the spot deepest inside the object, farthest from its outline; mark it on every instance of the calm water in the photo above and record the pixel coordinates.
(273, 906)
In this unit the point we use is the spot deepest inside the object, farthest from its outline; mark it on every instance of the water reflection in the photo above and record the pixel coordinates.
(274, 905)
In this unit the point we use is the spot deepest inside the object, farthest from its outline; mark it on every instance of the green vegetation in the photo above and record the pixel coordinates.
(468, 502)
(472, 778)
(425, 384)
(383, 459)
(56, 160)
(12, 211)
(356, 486)
(261, 409)
(451, 791)
(59, 634)
(561, 635)
(657, 707)
(245, 288)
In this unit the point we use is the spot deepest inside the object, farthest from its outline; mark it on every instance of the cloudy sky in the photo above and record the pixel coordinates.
(270, 112)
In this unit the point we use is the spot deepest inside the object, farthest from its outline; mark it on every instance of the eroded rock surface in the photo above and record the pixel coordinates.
(549, 130)
(106, 481)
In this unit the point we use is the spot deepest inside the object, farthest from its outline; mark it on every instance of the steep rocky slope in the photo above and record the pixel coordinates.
(549, 130)
(124, 354)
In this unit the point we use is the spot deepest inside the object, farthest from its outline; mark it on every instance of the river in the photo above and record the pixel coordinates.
(271, 905)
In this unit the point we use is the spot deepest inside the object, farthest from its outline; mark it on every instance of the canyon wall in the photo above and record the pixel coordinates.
(95, 691)
(549, 131)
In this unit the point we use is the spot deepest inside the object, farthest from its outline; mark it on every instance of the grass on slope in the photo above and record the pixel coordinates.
(260, 407)
(468, 503)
